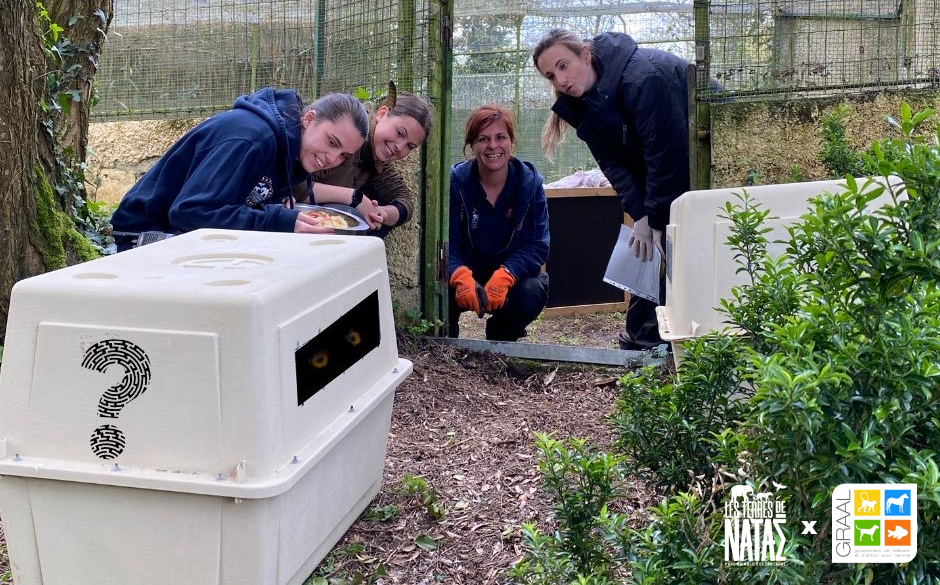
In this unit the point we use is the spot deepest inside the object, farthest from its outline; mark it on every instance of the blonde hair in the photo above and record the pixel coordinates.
(553, 133)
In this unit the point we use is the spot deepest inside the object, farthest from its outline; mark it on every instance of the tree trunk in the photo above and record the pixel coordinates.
(90, 21)
(31, 161)
(21, 85)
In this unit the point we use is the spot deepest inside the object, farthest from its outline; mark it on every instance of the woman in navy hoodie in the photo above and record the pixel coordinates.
(232, 170)
(498, 230)
(629, 105)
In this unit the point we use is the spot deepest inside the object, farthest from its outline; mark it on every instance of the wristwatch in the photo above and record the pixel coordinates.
(356, 198)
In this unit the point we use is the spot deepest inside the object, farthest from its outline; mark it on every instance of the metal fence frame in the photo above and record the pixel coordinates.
(724, 40)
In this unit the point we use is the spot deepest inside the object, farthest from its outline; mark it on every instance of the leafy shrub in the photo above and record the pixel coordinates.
(842, 359)
(836, 154)
(679, 546)
(581, 482)
(666, 427)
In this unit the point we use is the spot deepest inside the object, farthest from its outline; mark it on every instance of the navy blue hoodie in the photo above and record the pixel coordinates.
(635, 121)
(514, 234)
(230, 171)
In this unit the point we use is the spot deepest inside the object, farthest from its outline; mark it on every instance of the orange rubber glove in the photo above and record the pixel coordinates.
(469, 294)
(498, 287)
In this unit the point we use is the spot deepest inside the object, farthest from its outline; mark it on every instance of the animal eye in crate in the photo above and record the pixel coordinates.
(320, 359)
(337, 347)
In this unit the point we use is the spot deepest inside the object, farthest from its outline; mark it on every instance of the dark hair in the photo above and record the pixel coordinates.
(408, 104)
(482, 117)
(554, 130)
(334, 106)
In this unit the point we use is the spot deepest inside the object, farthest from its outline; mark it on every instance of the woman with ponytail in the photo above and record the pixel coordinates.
(629, 105)
(367, 180)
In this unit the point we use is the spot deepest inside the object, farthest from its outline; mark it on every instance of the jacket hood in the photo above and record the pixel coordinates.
(465, 171)
(610, 53)
(282, 111)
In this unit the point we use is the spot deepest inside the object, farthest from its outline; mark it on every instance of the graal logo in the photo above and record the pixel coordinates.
(874, 523)
(754, 526)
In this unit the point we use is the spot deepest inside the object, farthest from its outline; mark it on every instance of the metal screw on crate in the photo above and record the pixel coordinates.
(108, 441)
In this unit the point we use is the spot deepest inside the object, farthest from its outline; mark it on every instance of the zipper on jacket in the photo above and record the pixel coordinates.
(463, 204)
(513, 234)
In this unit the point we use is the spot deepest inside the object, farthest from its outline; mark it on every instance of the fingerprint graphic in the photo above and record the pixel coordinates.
(136, 366)
(107, 441)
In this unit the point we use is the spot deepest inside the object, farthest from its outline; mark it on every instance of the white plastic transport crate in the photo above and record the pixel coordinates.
(701, 270)
(212, 408)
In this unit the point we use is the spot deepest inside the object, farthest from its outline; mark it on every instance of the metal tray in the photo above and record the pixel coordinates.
(357, 225)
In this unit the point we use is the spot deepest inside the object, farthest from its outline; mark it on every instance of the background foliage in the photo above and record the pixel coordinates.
(834, 378)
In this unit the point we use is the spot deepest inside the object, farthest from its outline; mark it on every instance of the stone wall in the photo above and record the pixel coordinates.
(123, 151)
(779, 141)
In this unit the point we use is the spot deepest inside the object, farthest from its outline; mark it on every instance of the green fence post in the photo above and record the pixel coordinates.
(434, 257)
(255, 55)
(319, 48)
(700, 132)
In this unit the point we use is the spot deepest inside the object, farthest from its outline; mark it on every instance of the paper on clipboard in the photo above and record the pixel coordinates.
(629, 273)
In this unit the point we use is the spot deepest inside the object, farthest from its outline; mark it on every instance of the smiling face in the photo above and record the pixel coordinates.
(325, 144)
(569, 72)
(493, 147)
(395, 136)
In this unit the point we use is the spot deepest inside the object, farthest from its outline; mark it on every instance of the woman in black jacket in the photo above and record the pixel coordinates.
(629, 105)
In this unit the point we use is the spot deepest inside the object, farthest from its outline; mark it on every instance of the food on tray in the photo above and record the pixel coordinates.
(328, 219)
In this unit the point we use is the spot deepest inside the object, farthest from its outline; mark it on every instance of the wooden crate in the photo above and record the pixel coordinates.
(584, 223)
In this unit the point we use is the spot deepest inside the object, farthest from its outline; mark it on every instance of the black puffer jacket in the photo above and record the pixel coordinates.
(635, 121)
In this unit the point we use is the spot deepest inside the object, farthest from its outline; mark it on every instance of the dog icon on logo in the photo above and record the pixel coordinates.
(870, 531)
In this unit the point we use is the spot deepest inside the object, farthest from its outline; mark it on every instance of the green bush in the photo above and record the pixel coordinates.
(666, 428)
(842, 355)
(581, 482)
(836, 153)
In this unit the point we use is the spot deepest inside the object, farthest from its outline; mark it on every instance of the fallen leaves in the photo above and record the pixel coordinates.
(463, 422)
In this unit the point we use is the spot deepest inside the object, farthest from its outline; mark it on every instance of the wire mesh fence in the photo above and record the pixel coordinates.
(178, 58)
(492, 62)
(769, 49)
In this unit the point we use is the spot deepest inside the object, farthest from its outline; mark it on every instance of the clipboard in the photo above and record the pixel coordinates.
(627, 272)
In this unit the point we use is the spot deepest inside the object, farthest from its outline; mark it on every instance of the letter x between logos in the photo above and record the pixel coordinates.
(808, 527)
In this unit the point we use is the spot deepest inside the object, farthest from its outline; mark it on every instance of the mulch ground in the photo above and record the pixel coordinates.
(464, 422)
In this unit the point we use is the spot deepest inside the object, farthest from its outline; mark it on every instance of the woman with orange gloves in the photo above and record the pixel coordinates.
(498, 230)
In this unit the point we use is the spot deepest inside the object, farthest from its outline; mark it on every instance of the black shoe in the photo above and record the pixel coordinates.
(628, 344)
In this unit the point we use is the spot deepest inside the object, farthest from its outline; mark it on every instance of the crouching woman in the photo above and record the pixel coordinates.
(498, 230)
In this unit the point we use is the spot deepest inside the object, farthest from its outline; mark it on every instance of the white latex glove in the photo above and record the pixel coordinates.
(641, 240)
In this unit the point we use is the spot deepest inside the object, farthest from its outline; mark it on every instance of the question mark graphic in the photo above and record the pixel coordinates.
(107, 441)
